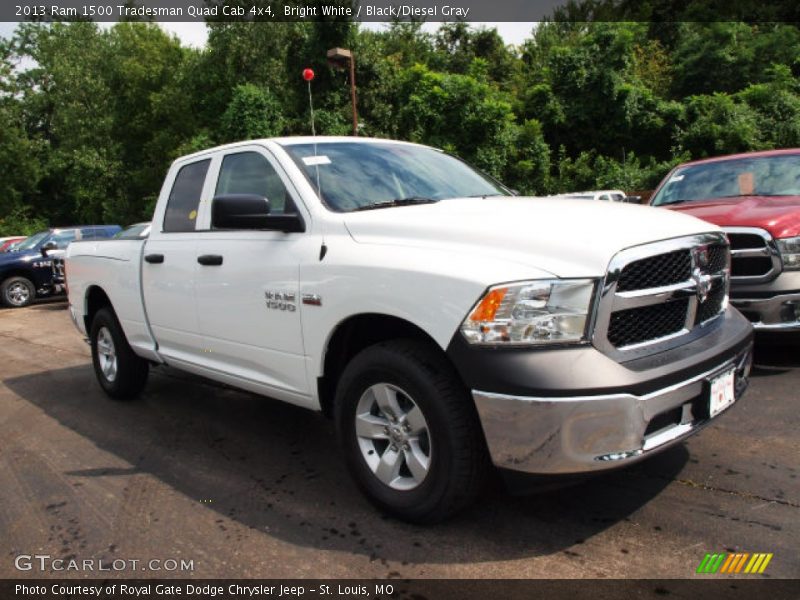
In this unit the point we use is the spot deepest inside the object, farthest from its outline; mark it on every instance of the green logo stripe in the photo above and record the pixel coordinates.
(703, 564)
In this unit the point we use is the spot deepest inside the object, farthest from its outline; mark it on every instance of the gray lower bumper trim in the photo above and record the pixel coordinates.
(590, 433)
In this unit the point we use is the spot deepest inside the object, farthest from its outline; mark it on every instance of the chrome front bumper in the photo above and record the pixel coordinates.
(580, 434)
(777, 313)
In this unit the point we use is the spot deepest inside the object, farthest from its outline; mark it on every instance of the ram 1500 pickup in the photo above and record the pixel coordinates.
(445, 324)
(755, 198)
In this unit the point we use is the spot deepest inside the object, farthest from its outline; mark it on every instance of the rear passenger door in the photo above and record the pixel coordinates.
(248, 303)
(170, 263)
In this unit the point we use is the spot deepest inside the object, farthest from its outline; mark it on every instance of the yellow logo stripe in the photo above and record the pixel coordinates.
(765, 563)
(754, 562)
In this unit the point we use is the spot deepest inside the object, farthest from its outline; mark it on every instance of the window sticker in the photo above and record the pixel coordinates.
(310, 161)
(746, 184)
(676, 179)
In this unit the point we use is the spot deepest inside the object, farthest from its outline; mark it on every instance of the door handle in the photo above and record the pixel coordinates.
(154, 259)
(210, 260)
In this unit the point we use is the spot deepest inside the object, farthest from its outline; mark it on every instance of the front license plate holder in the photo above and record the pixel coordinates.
(723, 392)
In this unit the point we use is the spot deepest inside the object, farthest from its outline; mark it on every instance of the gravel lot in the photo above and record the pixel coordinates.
(248, 487)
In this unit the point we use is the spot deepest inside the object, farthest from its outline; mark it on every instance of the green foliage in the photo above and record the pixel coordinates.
(20, 221)
(253, 112)
(717, 124)
(90, 118)
(456, 112)
(777, 107)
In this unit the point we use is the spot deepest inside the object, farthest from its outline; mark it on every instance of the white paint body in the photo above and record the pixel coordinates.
(426, 264)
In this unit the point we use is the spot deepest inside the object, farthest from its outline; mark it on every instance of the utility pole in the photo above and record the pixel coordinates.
(337, 58)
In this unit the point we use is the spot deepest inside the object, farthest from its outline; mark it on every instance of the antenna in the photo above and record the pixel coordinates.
(308, 75)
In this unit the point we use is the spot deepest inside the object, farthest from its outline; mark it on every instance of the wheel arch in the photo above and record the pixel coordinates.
(352, 335)
(19, 272)
(94, 299)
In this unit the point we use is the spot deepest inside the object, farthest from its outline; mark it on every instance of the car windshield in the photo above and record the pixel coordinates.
(758, 176)
(134, 232)
(31, 242)
(358, 176)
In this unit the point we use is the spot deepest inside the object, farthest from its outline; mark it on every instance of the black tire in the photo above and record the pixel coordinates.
(458, 460)
(17, 292)
(130, 374)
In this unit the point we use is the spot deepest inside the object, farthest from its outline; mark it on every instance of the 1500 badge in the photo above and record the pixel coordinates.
(281, 301)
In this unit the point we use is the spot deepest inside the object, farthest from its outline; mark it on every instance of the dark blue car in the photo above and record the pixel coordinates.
(26, 272)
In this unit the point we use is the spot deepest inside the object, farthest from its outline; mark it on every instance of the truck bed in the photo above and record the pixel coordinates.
(114, 266)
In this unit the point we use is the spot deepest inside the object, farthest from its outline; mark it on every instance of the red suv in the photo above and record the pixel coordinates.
(755, 198)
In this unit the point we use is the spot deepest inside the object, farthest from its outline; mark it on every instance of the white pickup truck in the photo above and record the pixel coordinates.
(444, 323)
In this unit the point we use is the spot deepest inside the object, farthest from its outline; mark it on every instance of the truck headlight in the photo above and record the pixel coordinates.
(790, 253)
(545, 311)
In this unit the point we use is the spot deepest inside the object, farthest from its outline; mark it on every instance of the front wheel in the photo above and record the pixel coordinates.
(409, 431)
(120, 372)
(17, 292)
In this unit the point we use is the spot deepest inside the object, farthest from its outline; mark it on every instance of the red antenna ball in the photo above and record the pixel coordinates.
(308, 74)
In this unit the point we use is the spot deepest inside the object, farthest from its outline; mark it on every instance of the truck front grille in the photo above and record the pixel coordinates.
(655, 271)
(754, 255)
(637, 325)
(58, 270)
(714, 302)
(656, 293)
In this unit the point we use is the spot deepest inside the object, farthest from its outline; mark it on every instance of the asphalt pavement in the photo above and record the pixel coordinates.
(228, 484)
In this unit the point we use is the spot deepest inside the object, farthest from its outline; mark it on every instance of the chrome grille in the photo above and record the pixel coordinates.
(637, 325)
(655, 271)
(656, 293)
(714, 302)
(58, 270)
(754, 256)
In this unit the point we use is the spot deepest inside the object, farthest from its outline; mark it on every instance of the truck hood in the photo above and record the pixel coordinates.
(780, 215)
(567, 238)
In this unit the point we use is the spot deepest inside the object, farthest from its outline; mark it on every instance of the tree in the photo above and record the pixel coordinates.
(253, 112)
(717, 124)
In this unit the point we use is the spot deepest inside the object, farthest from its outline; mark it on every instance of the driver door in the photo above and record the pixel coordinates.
(247, 333)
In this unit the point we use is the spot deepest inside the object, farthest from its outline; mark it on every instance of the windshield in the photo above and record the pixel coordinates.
(134, 232)
(762, 176)
(31, 242)
(355, 176)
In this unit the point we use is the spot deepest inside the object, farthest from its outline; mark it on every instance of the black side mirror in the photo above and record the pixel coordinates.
(633, 199)
(251, 211)
(47, 246)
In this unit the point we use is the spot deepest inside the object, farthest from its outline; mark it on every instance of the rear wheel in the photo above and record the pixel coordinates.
(17, 292)
(121, 373)
(409, 431)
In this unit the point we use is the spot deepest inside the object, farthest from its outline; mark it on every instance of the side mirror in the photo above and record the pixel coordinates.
(47, 246)
(633, 199)
(251, 211)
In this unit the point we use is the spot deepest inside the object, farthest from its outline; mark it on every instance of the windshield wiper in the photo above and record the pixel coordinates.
(679, 201)
(397, 202)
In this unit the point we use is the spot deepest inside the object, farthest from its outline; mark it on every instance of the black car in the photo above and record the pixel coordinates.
(26, 272)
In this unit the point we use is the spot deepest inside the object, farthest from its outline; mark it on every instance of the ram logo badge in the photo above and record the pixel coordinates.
(280, 301)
